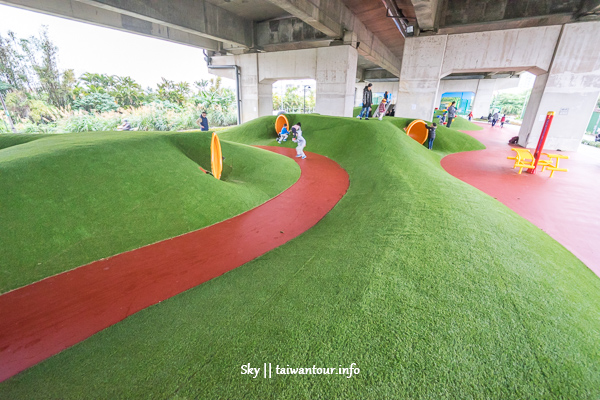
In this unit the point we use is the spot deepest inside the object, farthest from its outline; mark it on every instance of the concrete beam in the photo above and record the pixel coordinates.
(325, 17)
(334, 70)
(426, 11)
(335, 20)
(530, 22)
(81, 12)
(378, 75)
(289, 34)
(194, 16)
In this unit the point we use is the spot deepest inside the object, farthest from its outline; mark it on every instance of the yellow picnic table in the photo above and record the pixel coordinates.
(554, 167)
(524, 159)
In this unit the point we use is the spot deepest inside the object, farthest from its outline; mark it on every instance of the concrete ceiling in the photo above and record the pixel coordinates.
(372, 13)
(254, 10)
(272, 25)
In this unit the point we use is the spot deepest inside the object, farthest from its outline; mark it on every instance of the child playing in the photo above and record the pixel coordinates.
(443, 118)
(297, 130)
(283, 135)
(381, 109)
(431, 130)
(502, 121)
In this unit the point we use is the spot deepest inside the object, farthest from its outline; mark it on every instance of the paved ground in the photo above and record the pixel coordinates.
(565, 207)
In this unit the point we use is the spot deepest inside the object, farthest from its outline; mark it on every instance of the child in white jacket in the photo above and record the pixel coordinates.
(300, 140)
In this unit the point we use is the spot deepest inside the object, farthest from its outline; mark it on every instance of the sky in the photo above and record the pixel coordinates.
(88, 48)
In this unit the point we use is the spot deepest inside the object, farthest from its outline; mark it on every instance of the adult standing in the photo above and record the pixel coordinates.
(367, 101)
(451, 114)
(203, 121)
(495, 118)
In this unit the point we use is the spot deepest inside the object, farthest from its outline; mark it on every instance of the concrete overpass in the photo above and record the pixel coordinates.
(415, 47)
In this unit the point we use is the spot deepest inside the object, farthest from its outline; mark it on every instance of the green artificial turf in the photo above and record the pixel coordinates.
(459, 123)
(434, 289)
(356, 110)
(68, 200)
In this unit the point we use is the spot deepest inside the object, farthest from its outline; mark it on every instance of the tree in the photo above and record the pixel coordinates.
(4, 87)
(173, 92)
(42, 55)
(100, 102)
(13, 68)
(124, 90)
(510, 102)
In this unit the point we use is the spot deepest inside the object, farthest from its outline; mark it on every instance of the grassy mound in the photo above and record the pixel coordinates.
(73, 199)
(415, 276)
(356, 110)
(459, 123)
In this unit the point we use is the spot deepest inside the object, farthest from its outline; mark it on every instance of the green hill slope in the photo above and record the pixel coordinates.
(418, 278)
(72, 199)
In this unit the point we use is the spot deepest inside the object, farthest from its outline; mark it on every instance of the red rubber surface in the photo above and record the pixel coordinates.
(565, 207)
(44, 318)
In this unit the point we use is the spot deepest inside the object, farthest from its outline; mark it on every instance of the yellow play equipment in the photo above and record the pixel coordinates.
(417, 130)
(524, 159)
(216, 157)
(281, 119)
(553, 167)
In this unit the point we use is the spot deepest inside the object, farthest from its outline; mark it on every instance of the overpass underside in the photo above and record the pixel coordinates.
(409, 47)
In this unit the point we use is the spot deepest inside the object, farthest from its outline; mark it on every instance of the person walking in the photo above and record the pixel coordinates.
(495, 118)
(367, 101)
(470, 116)
(203, 122)
(502, 121)
(451, 114)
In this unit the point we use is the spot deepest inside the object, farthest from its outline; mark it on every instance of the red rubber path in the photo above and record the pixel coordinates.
(565, 207)
(44, 318)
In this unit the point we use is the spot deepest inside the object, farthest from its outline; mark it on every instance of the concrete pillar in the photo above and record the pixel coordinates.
(570, 89)
(420, 77)
(483, 97)
(333, 68)
(253, 95)
(335, 76)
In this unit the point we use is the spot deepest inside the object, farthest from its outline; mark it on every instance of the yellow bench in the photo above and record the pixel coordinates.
(524, 159)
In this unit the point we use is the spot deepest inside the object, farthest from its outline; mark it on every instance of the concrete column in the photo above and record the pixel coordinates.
(420, 77)
(249, 84)
(483, 97)
(570, 89)
(335, 76)
(333, 68)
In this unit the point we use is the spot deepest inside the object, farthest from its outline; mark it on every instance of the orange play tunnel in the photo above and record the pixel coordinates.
(216, 157)
(417, 130)
(281, 119)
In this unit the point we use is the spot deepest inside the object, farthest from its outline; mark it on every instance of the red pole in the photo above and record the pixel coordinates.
(542, 141)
